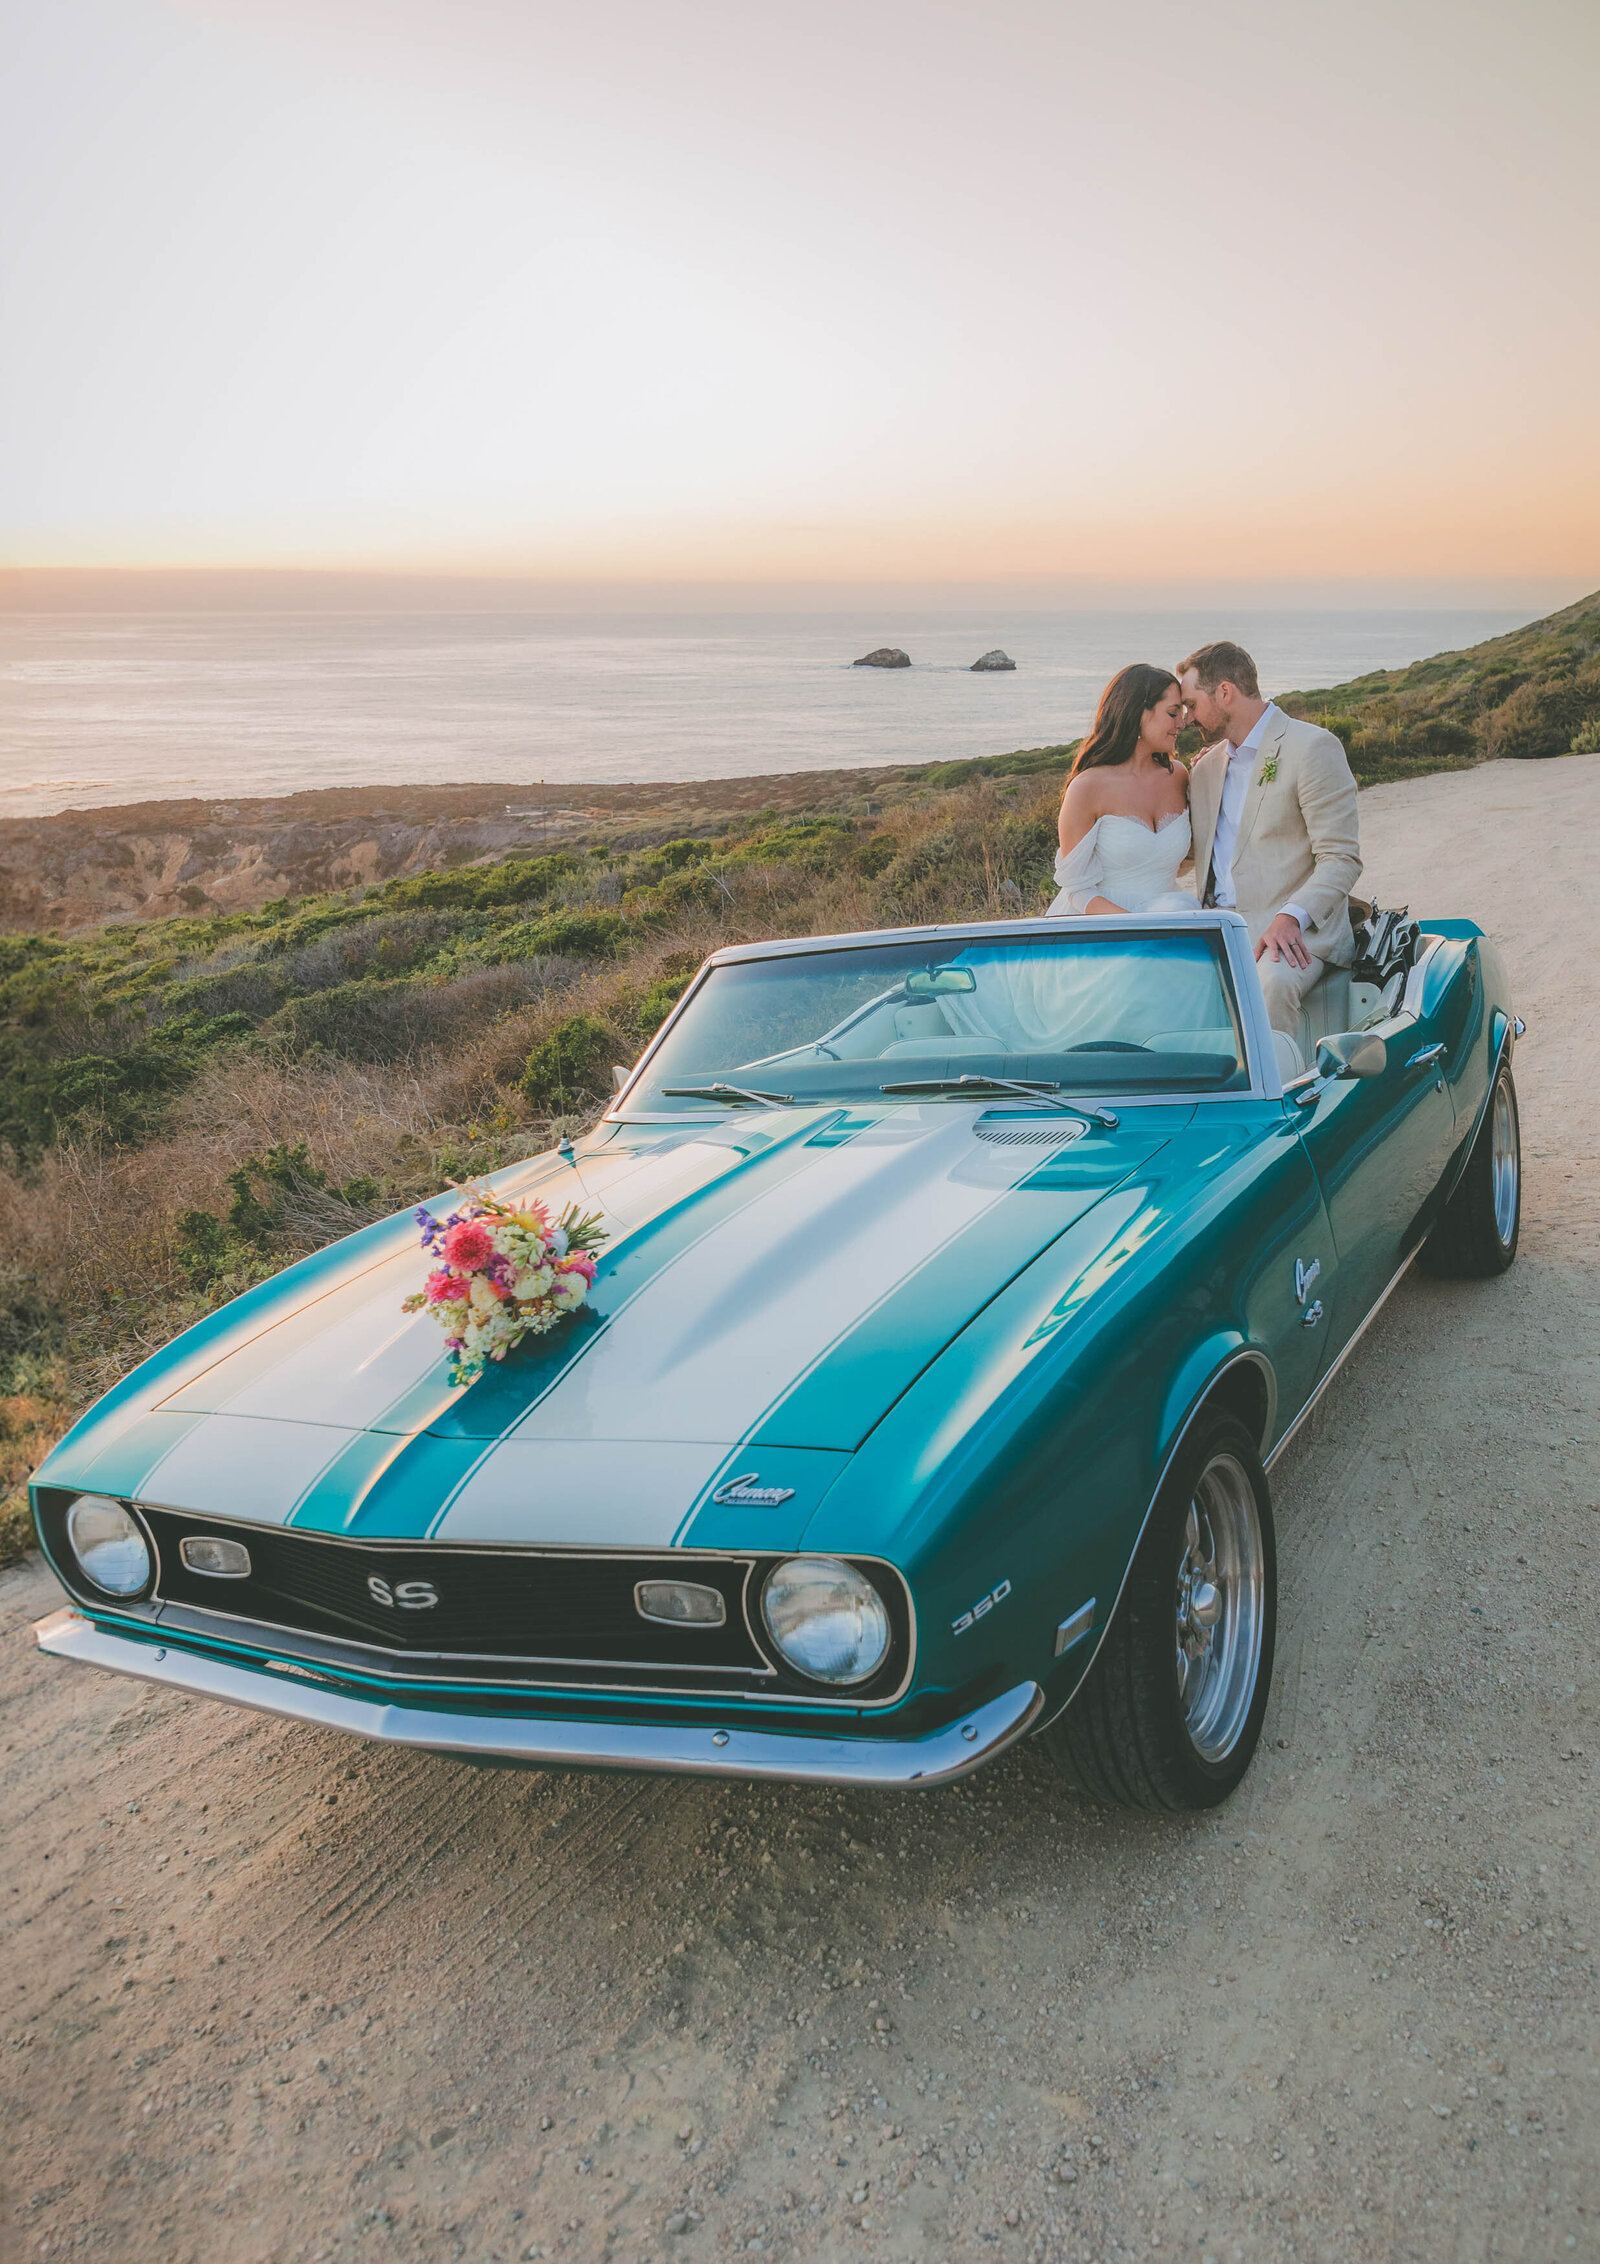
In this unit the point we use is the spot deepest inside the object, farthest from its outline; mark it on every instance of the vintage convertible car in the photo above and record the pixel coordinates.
(963, 1284)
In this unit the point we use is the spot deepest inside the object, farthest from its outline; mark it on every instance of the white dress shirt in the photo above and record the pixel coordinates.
(1241, 765)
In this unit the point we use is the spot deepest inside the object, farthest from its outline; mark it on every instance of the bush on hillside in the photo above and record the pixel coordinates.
(378, 1021)
(571, 1067)
(1541, 718)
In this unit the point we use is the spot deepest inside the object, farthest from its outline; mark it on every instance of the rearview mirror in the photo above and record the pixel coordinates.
(1357, 1053)
(940, 982)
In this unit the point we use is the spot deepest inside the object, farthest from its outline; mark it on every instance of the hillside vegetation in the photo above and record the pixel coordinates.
(1532, 693)
(188, 1103)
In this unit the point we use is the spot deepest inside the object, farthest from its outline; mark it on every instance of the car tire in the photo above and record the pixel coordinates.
(1477, 1235)
(1169, 1714)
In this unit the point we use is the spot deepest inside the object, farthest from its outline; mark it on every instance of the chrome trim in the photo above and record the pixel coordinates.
(667, 1619)
(1337, 1362)
(1196, 1409)
(1425, 1055)
(208, 1571)
(1519, 1028)
(1074, 1627)
(887, 1764)
(1261, 1055)
(763, 1666)
(1304, 1276)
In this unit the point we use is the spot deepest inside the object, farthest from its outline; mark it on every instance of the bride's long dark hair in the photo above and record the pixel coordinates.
(1124, 704)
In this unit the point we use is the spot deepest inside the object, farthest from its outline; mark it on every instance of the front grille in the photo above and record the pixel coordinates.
(488, 1603)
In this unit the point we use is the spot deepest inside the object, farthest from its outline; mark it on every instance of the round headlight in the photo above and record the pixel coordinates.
(827, 1620)
(111, 1551)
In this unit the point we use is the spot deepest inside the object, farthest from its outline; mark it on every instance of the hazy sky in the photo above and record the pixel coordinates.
(899, 288)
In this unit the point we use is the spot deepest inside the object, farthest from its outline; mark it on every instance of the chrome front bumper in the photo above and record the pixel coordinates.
(714, 1750)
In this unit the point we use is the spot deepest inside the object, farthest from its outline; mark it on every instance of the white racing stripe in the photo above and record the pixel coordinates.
(714, 1339)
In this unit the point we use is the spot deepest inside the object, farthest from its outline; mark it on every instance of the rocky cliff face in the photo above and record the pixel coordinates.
(152, 860)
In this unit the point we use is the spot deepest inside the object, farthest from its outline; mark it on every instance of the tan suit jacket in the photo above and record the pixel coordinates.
(1299, 840)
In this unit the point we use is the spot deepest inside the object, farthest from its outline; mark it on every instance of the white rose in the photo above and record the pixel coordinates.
(532, 1284)
(569, 1289)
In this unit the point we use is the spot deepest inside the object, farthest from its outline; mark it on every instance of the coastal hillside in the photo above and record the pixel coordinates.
(189, 1101)
(1534, 692)
(1528, 695)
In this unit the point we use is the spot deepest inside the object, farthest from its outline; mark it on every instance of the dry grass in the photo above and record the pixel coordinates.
(91, 1278)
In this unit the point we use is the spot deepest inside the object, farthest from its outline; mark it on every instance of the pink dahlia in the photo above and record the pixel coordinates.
(442, 1286)
(469, 1245)
(581, 1264)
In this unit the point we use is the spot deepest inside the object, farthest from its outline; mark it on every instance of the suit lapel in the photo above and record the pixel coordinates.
(1206, 782)
(1268, 745)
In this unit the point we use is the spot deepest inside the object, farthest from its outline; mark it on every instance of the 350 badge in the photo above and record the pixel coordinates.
(983, 1604)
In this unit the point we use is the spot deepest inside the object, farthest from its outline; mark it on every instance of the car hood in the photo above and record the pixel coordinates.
(769, 1288)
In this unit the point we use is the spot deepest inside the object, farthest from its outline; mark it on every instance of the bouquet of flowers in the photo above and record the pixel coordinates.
(502, 1274)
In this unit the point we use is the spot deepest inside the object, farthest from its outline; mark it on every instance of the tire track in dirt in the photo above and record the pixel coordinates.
(1349, 2016)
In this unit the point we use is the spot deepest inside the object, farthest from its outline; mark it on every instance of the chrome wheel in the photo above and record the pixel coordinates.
(1505, 1162)
(1221, 1608)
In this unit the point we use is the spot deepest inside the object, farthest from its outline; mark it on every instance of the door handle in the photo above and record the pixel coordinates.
(1427, 1056)
(1312, 1314)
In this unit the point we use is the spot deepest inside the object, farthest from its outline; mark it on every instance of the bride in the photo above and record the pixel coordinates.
(1125, 815)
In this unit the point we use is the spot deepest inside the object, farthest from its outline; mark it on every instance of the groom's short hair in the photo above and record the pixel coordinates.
(1223, 663)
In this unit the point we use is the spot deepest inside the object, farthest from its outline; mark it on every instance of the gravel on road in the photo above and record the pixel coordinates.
(275, 1997)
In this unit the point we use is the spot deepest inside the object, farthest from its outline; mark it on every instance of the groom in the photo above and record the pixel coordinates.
(1273, 805)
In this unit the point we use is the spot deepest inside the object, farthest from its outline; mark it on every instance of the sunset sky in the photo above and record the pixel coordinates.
(904, 289)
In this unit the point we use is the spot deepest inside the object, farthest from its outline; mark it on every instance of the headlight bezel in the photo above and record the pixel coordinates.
(852, 1688)
(84, 1580)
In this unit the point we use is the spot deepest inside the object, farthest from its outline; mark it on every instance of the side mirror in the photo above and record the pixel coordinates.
(619, 1076)
(1357, 1053)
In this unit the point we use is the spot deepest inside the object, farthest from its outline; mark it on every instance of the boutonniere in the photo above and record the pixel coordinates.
(1269, 769)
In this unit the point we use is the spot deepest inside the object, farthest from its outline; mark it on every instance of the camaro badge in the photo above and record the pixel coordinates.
(750, 1489)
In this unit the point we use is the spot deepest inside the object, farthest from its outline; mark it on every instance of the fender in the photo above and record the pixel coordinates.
(1245, 1357)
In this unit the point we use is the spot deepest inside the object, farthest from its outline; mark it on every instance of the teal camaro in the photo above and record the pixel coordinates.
(961, 1287)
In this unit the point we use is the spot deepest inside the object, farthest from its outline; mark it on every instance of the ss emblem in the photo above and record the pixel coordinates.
(409, 1595)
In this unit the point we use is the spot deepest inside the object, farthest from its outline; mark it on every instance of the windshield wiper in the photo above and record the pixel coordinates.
(725, 1093)
(1033, 1092)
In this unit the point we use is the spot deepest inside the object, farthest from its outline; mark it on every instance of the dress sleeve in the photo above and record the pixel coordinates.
(1079, 874)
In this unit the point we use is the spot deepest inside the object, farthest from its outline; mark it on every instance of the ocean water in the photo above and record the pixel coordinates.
(106, 708)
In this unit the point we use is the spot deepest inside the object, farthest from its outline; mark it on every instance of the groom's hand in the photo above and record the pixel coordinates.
(1283, 940)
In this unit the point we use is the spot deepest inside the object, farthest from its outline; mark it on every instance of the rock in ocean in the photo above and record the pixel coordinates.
(995, 659)
(886, 656)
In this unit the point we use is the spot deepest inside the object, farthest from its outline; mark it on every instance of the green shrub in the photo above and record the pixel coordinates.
(1539, 719)
(275, 1193)
(515, 880)
(570, 1067)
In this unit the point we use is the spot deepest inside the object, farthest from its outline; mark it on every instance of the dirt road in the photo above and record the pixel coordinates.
(270, 1995)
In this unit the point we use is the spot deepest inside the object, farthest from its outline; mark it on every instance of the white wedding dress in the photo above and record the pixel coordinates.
(1130, 863)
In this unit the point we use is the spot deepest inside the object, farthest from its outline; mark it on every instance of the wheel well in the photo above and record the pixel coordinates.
(1245, 1390)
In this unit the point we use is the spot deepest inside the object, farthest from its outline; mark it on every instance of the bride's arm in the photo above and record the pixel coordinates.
(1077, 872)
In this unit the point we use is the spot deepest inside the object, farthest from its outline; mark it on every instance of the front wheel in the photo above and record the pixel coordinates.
(1169, 1714)
(1476, 1237)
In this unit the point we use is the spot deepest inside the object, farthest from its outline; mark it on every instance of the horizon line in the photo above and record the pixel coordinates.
(223, 588)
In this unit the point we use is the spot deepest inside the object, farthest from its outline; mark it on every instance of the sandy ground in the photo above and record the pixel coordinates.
(271, 1995)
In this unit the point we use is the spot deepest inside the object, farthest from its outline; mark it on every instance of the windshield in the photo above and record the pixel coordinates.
(1081, 1013)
